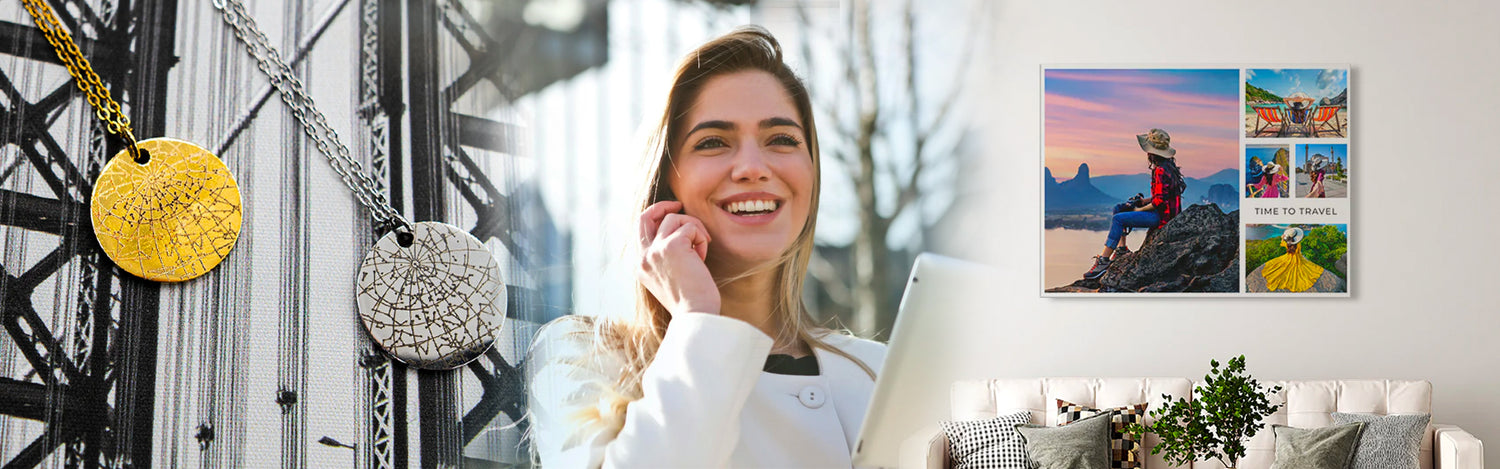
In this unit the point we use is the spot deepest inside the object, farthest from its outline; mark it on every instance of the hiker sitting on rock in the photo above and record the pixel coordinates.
(1165, 202)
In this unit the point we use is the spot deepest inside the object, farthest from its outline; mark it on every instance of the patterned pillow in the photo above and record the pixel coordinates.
(990, 443)
(1389, 442)
(1124, 451)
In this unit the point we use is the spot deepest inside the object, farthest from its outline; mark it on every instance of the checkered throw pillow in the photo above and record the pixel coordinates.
(990, 443)
(1124, 451)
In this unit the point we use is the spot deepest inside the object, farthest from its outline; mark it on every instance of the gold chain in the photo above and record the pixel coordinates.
(105, 107)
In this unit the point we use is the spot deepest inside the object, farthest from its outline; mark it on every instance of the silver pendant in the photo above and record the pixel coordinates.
(435, 304)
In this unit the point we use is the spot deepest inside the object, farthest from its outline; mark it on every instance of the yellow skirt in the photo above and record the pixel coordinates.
(1291, 272)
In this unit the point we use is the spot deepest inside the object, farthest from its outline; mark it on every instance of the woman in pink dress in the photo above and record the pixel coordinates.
(1270, 184)
(1318, 169)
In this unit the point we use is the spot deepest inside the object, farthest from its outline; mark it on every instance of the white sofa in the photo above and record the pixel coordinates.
(1308, 404)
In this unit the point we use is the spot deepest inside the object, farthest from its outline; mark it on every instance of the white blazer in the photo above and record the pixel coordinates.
(706, 402)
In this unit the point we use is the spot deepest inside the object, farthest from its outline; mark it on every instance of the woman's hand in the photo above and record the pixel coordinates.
(673, 248)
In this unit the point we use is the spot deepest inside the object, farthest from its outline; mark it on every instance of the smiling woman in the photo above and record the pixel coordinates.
(721, 365)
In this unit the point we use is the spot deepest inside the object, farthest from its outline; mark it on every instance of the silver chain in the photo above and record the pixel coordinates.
(314, 123)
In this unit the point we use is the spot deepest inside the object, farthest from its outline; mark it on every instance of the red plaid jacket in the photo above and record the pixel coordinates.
(1168, 205)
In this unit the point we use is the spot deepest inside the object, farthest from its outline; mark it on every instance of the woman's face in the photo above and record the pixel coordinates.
(744, 168)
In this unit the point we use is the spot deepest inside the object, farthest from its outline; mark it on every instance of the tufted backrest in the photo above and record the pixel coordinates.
(1309, 404)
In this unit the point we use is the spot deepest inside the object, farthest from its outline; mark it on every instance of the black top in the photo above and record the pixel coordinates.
(783, 364)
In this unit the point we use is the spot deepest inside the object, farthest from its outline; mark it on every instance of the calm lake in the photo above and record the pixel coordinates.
(1070, 253)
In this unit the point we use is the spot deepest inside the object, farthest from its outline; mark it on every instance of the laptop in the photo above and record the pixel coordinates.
(911, 391)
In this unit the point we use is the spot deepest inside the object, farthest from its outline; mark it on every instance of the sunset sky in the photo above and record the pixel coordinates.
(1093, 116)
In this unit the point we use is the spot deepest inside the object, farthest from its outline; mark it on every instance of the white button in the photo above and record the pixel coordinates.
(812, 396)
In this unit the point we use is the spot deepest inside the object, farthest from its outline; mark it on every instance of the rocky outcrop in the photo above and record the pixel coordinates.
(1198, 251)
(1341, 98)
(1223, 195)
(1076, 192)
(1083, 174)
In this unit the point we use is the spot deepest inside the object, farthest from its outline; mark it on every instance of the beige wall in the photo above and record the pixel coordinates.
(1425, 97)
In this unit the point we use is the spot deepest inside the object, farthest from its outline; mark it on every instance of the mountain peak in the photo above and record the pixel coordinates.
(1083, 172)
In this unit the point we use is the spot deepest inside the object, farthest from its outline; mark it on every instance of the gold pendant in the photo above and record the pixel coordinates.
(171, 219)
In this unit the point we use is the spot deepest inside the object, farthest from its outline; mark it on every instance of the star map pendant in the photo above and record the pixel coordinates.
(171, 219)
(435, 304)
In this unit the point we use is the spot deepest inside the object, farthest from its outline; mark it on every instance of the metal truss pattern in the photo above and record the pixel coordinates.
(438, 160)
(381, 435)
(91, 391)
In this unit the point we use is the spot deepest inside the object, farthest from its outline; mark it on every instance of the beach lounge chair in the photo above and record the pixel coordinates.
(1269, 119)
(1326, 117)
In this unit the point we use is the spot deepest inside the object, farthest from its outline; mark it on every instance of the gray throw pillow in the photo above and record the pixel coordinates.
(1316, 448)
(988, 443)
(1389, 442)
(1083, 444)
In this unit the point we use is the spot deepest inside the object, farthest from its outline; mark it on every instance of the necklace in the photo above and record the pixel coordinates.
(429, 293)
(162, 209)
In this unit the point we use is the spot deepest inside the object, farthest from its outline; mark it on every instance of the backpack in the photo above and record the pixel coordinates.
(1176, 186)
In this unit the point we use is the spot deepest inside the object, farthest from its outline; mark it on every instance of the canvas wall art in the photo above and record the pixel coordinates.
(1160, 181)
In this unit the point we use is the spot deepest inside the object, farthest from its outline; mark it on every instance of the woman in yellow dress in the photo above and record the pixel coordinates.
(1291, 271)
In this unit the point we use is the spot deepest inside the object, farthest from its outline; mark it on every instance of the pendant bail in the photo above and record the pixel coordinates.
(402, 228)
(134, 149)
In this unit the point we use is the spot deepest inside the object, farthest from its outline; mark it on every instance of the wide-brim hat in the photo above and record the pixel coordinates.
(1273, 168)
(1318, 161)
(1292, 236)
(1157, 142)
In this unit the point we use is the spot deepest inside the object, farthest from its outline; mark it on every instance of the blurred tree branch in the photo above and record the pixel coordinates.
(886, 143)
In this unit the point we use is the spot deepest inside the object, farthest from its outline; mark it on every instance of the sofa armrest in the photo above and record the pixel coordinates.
(937, 452)
(1455, 448)
(926, 448)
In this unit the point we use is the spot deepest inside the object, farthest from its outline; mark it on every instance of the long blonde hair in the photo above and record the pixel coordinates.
(635, 340)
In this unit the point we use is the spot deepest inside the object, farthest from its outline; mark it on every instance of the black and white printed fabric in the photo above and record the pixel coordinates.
(989, 443)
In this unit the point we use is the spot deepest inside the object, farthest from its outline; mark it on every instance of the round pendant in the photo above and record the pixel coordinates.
(435, 304)
(171, 219)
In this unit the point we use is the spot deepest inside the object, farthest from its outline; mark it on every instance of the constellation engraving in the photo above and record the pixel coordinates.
(169, 220)
(436, 304)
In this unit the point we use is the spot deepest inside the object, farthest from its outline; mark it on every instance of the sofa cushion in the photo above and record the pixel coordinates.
(1388, 442)
(1308, 405)
(1082, 445)
(1124, 450)
(987, 443)
(1316, 448)
(1311, 404)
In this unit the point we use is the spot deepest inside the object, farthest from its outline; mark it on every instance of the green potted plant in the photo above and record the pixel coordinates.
(1215, 426)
